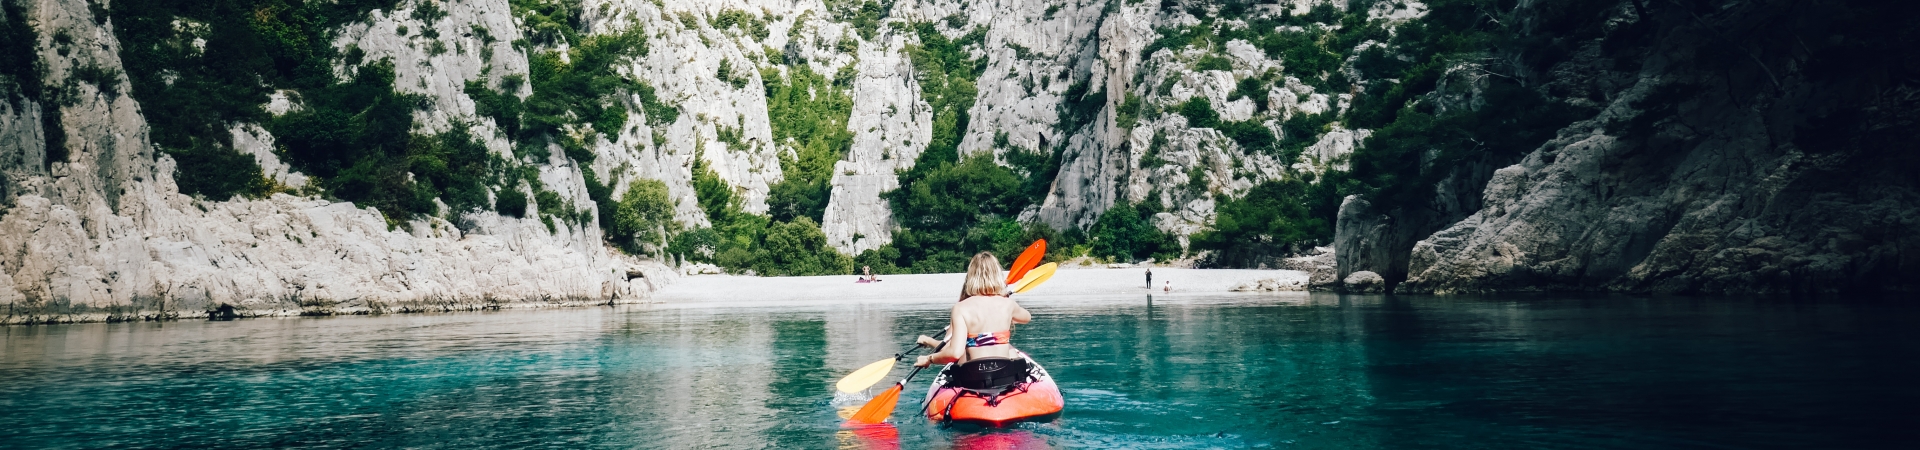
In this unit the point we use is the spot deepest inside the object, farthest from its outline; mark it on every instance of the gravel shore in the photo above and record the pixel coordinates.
(722, 289)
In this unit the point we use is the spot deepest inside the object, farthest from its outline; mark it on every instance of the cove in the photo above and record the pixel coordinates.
(1202, 371)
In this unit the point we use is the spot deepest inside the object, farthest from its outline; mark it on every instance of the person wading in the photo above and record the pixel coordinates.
(1149, 277)
(983, 320)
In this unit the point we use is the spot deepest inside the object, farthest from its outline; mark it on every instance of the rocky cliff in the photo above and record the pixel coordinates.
(1751, 147)
(160, 159)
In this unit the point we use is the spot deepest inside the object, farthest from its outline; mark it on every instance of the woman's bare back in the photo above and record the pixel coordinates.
(988, 315)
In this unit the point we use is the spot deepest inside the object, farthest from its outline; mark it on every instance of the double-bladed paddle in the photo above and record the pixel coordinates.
(872, 373)
(881, 407)
(1026, 261)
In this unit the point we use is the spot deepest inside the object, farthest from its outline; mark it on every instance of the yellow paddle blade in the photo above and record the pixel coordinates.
(1035, 277)
(880, 408)
(866, 376)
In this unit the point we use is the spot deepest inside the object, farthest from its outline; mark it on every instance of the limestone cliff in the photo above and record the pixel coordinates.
(1757, 148)
(1456, 146)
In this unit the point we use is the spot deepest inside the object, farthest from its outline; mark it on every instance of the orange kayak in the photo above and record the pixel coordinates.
(1034, 399)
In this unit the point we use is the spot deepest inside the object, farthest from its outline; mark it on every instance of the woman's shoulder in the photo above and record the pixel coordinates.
(983, 300)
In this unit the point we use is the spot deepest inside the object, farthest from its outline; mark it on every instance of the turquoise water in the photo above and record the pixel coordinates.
(1265, 371)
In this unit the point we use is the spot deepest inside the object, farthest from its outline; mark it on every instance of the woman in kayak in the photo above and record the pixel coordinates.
(984, 318)
(989, 382)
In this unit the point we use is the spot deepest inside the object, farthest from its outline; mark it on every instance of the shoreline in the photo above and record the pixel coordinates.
(720, 290)
(695, 290)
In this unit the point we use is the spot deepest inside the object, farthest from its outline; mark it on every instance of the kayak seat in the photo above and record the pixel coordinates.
(989, 373)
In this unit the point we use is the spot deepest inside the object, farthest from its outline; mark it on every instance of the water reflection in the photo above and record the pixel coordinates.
(1170, 372)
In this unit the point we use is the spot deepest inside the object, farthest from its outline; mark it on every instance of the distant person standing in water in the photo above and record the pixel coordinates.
(1149, 277)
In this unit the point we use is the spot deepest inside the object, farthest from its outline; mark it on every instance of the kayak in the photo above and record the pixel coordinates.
(1033, 398)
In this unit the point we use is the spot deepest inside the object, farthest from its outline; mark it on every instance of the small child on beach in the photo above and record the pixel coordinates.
(1169, 287)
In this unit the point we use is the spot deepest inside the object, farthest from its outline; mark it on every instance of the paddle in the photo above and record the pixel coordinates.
(1035, 277)
(872, 373)
(881, 407)
(1026, 261)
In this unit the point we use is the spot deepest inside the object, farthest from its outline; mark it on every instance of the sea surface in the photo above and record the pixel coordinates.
(1222, 371)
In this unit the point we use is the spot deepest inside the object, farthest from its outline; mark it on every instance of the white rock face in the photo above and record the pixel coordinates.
(251, 139)
(891, 126)
(1333, 151)
(106, 235)
(1364, 282)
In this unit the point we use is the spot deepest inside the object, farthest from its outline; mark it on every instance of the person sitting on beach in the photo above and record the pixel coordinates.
(983, 319)
(1169, 288)
(866, 273)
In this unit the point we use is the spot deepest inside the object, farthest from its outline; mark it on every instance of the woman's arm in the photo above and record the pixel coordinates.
(1020, 315)
(956, 345)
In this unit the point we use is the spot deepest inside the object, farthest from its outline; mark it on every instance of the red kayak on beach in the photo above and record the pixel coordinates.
(994, 392)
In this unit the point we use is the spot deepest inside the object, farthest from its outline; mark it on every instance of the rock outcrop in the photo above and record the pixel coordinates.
(1752, 147)
(104, 234)
(1770, 173)
(1363, 282)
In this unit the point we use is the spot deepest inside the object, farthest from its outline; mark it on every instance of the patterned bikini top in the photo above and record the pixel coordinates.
(1002, 337)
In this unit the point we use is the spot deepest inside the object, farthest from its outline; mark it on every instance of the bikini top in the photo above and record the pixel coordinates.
(1002, 337)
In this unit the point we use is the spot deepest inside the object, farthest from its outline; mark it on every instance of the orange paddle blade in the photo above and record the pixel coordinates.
(1027, 260)
(880, 408)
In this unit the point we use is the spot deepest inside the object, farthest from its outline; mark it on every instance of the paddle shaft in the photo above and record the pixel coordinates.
(916, 369)
(916, 346)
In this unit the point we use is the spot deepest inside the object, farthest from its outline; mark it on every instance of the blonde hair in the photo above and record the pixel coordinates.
(983, 277)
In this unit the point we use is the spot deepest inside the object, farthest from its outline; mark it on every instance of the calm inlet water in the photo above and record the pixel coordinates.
(1317, 371)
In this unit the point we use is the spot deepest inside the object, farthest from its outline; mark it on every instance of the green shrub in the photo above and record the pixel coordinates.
(251, 48)
(1254, 88)
(510, 202)
(643, 216)
(946, 75)
(583, 85)
(748, 22)
(1036, 168)
(548, 22)
(798, 248)
(106, 80)
(809, 114)
(1126, 233)
(954, 196)
(1400, 163)
(1151, 159)
(658, 112)
(948, 208)
(453, 166)
(1179, 38)
(1265, 221)
(1080, 105)
(1250, 134)
(503, 107)
(865, 16)
(225, 173)
(1199, 112)
(740, 241)
(428, 11)
(881, 260)
(1128, 114)
(1213, 62)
